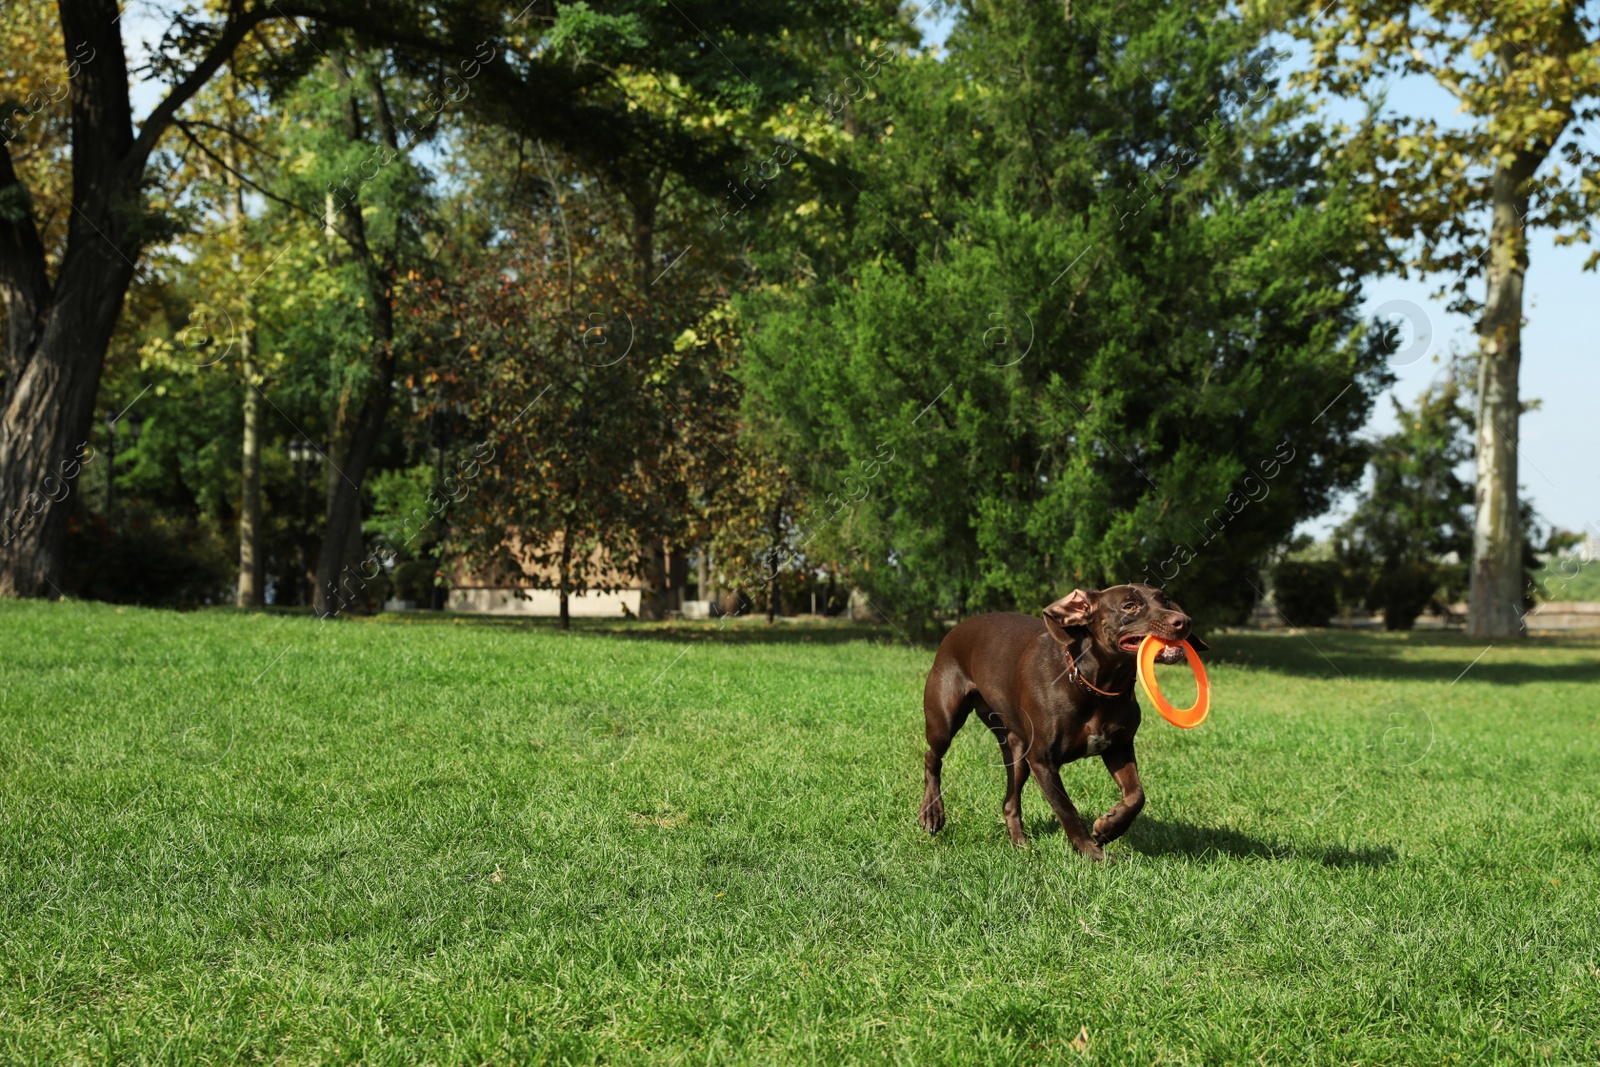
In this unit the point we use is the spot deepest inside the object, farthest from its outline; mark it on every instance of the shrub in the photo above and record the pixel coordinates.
(380, 589)
(1402, 591)
(1452, 582)
(152, 563)
(1307, 592)
(413, 580)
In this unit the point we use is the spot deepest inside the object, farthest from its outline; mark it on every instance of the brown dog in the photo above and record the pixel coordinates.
(1053, 690)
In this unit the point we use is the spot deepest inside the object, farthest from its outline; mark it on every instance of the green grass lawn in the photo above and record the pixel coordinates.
(229, 838)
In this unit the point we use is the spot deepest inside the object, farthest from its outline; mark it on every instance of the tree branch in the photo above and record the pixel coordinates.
(24, 277)
(239, 24)
(233, 134)
(183, 127)
(380, 108)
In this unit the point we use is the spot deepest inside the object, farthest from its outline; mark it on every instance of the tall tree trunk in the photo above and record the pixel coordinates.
(342, 573)
(57, 332)
(566, 569)
(654, 597)
(772, 564)
(251, 593)
(1495, 605)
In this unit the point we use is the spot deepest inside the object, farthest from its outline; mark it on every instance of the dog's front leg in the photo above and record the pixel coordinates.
(1049, 777)
(1114, 823)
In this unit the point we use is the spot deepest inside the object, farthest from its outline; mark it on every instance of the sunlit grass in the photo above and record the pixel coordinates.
(232, 837)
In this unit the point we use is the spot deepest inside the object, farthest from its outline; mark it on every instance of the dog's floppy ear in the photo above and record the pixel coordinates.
(1074, 609)
(1198, 645)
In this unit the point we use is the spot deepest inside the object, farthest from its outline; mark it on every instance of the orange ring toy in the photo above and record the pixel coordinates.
(1186, 718)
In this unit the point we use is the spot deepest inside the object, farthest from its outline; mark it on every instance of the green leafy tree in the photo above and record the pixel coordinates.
(594, 441)
(63, 282)
(374, 205)
(1417, 513)
(228, 251)
(688, 126)
(1095, 321)
(1459, 200)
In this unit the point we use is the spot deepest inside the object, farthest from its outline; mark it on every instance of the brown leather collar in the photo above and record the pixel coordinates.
(1077, 676)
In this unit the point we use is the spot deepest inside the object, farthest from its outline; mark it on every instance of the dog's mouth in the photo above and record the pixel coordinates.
(1172, 653)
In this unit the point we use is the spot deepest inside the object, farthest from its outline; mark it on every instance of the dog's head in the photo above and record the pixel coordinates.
(1118, 619)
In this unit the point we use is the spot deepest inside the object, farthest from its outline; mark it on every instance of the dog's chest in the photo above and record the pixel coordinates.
(1105, 730)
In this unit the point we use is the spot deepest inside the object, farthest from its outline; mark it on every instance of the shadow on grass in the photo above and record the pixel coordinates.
(1153, 837)
(1407, 657)
(1311, 653)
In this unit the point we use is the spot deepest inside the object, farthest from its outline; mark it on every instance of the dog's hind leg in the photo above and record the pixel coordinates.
(1014, 751)
(1013, 756)
(946, 702)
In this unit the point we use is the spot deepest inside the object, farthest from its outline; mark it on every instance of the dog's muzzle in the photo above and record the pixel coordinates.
(1173, 653)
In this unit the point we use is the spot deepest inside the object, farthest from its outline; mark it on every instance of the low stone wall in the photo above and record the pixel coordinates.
(1549, 617)
(1565, 615)
(542, 602)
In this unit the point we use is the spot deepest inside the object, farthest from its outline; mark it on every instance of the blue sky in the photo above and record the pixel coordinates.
(1557, 469)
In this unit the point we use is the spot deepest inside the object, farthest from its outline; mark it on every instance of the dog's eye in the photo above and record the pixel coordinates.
(1132, 605)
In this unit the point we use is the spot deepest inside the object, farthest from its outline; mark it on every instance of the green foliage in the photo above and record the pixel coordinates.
(154, 562)
(1567, 578)
(1417, 505)
(578, 367)
(1525, 77)
(1063, 300)
(1306, 591)
(413, 581)
(579, 30)
(1402, 590)
(1417, 510)
(401, 514)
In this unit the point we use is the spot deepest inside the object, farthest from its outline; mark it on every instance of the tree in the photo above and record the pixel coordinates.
(343, 174)
(1417, 511)
(690, 122)
(589, 455)
(372, 210)
(1461, 201)
(757, 529)
(62, 299)
(1107, 331)
(555, 498)
(59, 321)
(211, 171)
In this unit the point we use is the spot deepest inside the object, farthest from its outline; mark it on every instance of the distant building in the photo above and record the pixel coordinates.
(499, 594)
(1590, 549)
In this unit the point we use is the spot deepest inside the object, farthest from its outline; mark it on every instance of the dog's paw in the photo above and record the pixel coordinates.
(932, 817)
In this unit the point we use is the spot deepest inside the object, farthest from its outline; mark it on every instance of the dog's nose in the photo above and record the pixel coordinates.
(1180, 625)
